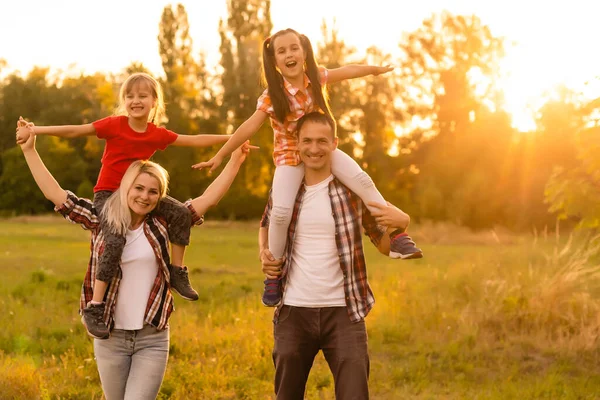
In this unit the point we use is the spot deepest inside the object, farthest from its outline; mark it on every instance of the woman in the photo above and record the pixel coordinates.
(132, 362)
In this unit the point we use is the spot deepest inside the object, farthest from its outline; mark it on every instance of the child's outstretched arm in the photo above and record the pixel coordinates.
(243, 133)
(217, 189)
(200, 140)
(352, 71)
(63, 131)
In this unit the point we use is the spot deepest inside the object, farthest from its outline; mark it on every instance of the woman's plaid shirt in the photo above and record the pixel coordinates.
(160, 302)
(349, 213)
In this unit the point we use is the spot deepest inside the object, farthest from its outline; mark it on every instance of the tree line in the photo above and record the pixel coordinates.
(433, 134)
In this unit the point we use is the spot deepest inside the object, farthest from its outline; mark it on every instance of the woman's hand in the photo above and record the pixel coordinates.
(240, 154)
(28, 141)
(24, 130)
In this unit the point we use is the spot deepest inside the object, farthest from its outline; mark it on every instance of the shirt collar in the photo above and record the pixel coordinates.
(293, 89)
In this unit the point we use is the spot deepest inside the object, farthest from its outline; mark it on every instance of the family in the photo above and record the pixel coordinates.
(310, 235)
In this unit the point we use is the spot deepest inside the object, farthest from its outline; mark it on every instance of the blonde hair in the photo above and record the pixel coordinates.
(116, 209)
(158, 112)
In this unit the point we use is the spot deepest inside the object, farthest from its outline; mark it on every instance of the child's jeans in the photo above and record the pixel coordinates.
(179, 222)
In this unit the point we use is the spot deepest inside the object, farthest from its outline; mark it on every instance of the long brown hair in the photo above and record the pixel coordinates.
(274, 79)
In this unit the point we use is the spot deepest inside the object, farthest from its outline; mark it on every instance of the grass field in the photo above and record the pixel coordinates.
(483, 316)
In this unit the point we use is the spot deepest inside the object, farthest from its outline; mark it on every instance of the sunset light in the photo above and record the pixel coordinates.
(389, 199)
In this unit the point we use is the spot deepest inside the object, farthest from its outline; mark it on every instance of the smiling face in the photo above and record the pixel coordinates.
(139, 101)
(316, 144)
(289, 56)
(143, 196)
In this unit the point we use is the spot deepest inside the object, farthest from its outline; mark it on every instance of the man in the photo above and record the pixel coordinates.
(326, 295)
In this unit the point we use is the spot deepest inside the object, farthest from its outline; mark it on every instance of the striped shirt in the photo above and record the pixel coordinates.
(301, 101)
(160, 302)
(349, 213)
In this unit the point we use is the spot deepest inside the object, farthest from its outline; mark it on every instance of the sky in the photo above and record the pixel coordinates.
(549, 40)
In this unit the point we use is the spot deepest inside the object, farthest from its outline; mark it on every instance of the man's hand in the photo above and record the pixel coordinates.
(390, 215)
(271, 267)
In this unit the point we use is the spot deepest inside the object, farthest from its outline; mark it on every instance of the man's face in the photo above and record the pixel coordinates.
(316, 143)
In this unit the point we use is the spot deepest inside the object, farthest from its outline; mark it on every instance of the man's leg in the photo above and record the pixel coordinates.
(296, 345)
(344, 345)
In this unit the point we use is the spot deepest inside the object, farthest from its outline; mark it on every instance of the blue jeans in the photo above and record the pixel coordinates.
(132, 363)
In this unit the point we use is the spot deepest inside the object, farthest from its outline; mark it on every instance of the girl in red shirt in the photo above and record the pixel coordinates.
(295, 87)
(131, 135)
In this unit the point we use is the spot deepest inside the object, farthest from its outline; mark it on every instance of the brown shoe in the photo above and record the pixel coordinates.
(180, 282)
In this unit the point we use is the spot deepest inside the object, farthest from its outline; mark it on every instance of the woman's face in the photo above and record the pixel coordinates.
(144, 194)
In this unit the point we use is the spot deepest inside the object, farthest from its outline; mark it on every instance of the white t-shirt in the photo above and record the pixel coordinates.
(140, 268)
(315, 278)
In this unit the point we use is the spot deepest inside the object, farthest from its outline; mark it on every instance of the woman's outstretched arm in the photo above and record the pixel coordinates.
(44, 179)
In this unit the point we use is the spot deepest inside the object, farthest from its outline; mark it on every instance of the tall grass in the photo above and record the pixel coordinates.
(484, 315)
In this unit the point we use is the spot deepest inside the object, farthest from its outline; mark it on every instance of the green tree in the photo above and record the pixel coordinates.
(573, 191)
(242, 33)
(186, 97)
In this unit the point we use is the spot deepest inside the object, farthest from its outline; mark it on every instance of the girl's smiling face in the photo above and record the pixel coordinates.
(139, 101)
(289, 55)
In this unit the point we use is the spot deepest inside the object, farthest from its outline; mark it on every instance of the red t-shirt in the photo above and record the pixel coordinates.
(124, 146)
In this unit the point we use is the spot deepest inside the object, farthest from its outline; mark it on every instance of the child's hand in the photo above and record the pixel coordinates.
(242, 152)
(29, 142)
(382, 70)
(213, 164)
(24, 133)
(24, 130)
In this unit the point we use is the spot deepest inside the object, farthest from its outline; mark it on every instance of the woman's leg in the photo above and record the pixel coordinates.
(113, 358)
(148, 363)
(286, 182)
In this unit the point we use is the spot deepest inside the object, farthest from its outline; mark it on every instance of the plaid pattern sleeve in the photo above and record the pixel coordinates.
(196, 219)
(79, 211)
(264, 221)
(323, 75)
(372, 230)
(264, 103)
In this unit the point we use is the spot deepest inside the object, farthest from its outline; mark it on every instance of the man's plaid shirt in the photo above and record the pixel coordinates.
(349, 213)
(160, 302)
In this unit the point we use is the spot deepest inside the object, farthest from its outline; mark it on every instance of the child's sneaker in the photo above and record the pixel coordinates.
(272, 295)
(402, 246)
(180, 282)
(93, 320)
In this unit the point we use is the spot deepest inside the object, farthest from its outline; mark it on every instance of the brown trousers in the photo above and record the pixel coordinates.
(301, 332)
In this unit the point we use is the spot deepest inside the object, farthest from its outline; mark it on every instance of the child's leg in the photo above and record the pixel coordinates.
(110, 258)
(286, 182)
(179, 223)
(351, 174)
